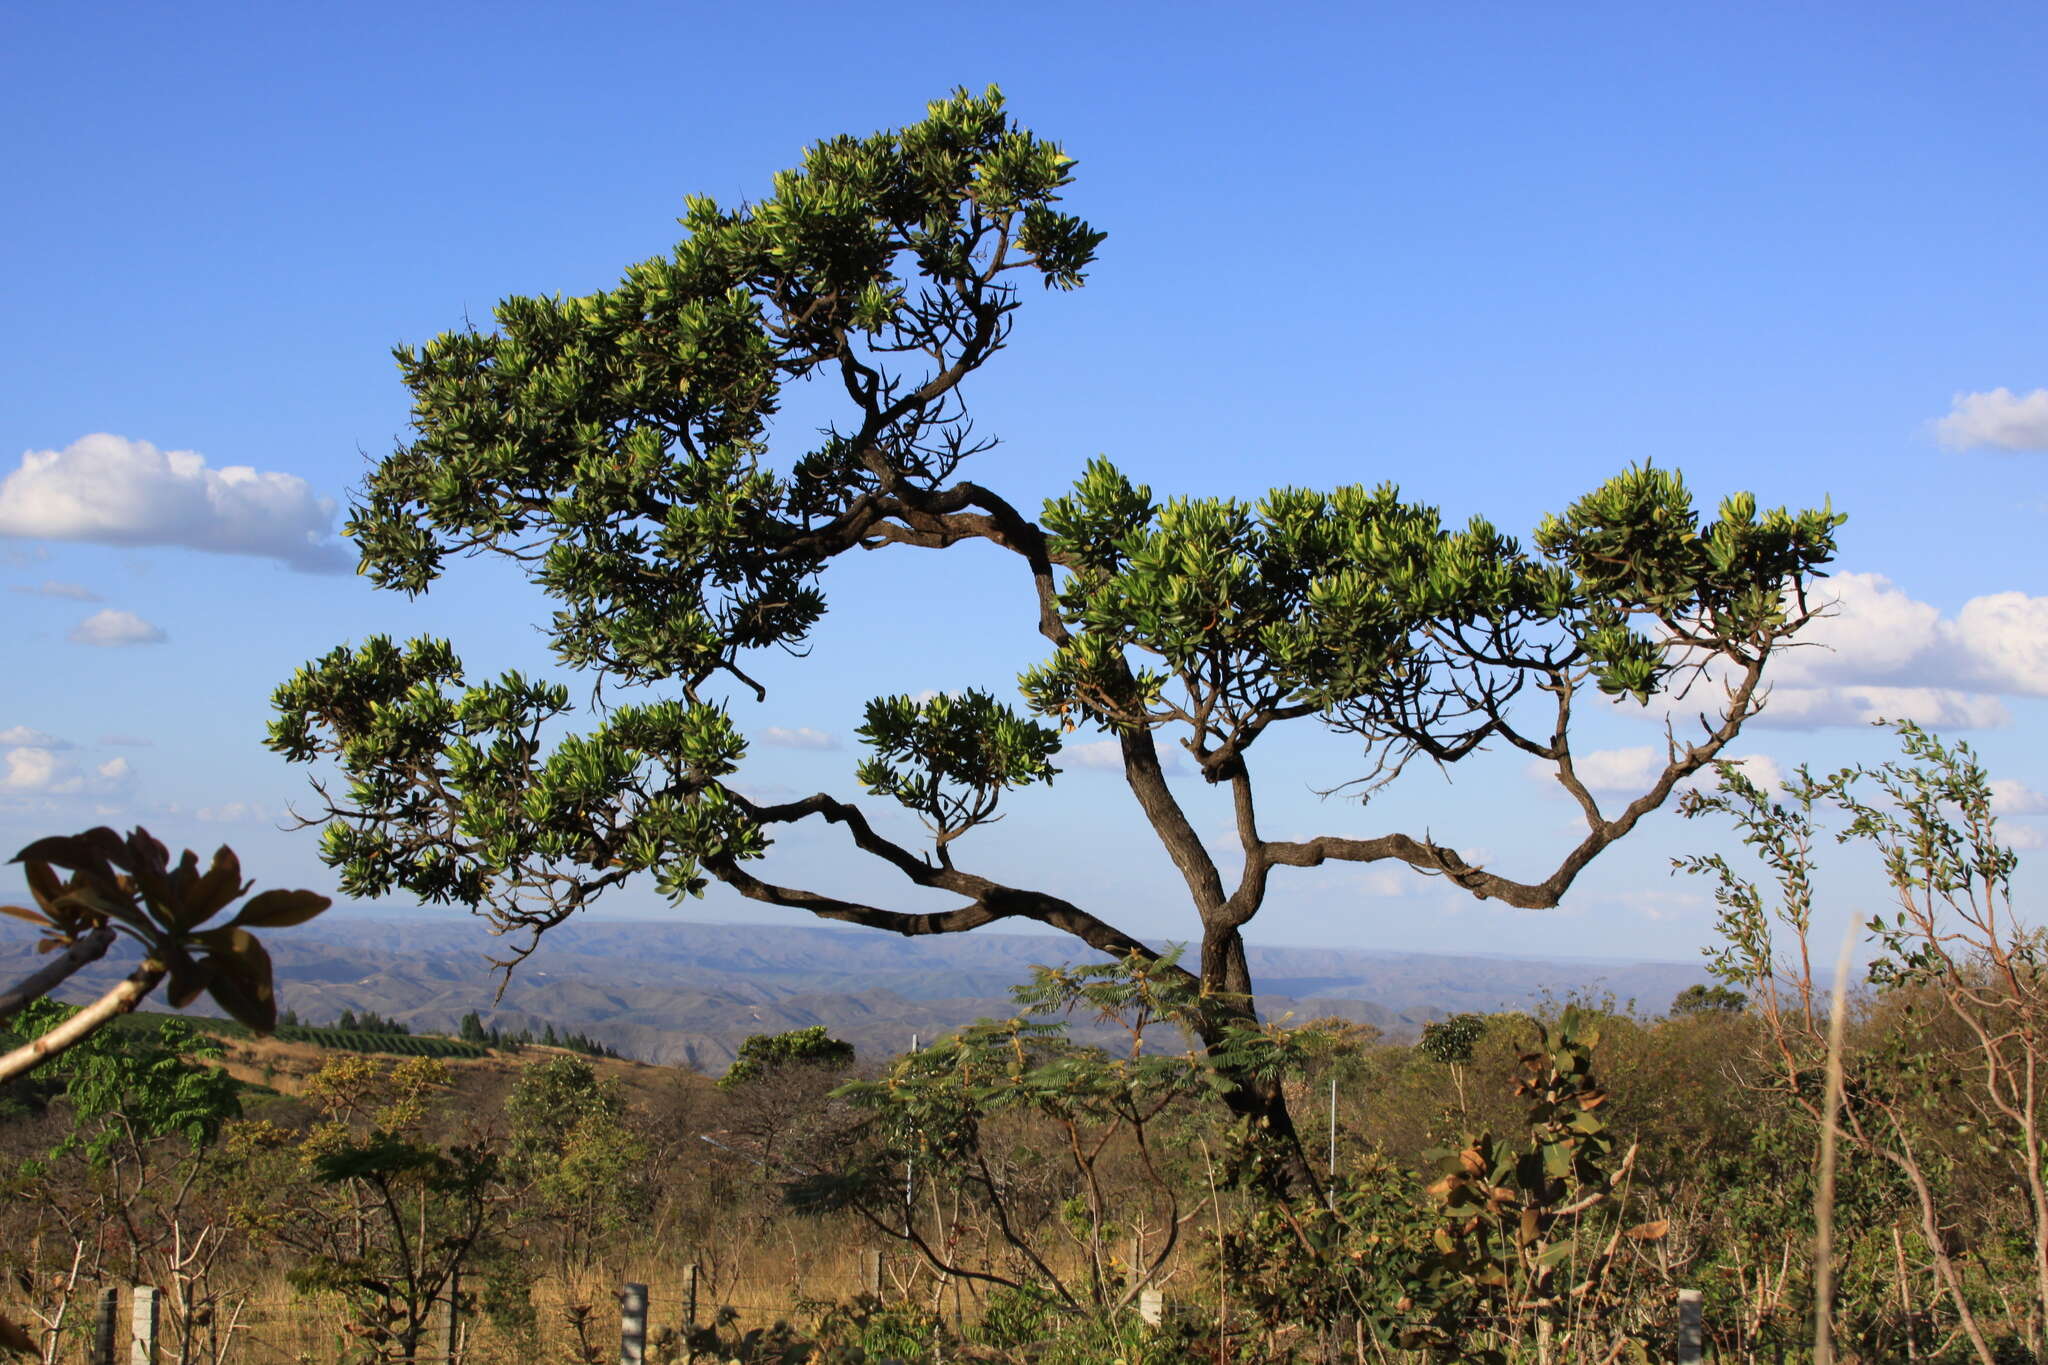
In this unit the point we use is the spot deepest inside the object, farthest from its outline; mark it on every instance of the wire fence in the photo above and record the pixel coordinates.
(312, 1329)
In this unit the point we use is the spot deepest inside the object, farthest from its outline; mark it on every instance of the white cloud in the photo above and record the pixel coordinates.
(2004, 642)
(232, 812)
(1761, 769)
(50, 587)
(1610, 770)
(2010, 796)
(1104, 755)
(109, 628)
(1381, 880)
(802, 737)
(30, 770)
(1107, 755)
(127, 741)
(109, 490)
(1998, 420)
(1939, 708)
(2024, 837)
(1632, 771)
(44, 770)
(19, 736)
(1881, 654)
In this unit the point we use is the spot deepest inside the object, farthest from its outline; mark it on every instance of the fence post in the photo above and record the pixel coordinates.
(690, 1297)
(1151, 1307)
(103, 1327)
(633, 1325)
(1690, 1343)
(452, 1322)
(142, 1320)
(871, 1273)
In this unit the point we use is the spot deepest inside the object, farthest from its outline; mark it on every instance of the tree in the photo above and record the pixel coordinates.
(570, 1144)
(368, 1206)
(616, 447)
(1699, 999)
(1955, 1075)
(764, 1053)
(472, 1028)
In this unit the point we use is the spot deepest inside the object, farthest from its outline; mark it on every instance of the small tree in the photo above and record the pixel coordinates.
(573, 1149)
(1956, 1075)
(370, 1208)
(1699, 999)
(616, 447)
(763, 1053)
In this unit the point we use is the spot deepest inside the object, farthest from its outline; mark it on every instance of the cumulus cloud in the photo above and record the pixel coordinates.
(2023, 837)
(802, 737)
(1107, 755)
(45, 771)
(29, 769)
(1609, 770)
(1631, 771)
(1881, 654)
(1998, 420)
(50, 587)
(2010, 796)
(20, 736)
(1939, 708)
(109, 490)
(110, 628)
(1761, 769)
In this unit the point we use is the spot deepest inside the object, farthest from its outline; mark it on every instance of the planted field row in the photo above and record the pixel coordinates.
(399, 1044)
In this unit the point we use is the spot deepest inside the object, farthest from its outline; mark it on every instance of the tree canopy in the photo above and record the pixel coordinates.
(617, 447)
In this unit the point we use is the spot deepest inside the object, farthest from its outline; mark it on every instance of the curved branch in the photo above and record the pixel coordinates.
(1427, 856)
(81, 952)
(80, 1026)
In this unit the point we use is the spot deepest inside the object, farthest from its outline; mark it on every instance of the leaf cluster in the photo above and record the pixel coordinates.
(131, 886)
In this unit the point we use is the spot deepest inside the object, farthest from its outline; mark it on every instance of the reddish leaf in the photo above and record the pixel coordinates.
(221, 884)
(280, 909)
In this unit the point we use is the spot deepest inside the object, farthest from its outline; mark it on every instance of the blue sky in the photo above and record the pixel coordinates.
(1493, 253)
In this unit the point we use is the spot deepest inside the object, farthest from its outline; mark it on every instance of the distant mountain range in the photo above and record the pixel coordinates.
(684, 994)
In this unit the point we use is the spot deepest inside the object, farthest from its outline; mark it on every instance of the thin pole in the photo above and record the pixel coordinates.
(909, 1169)
(1333, 1127)
(1824, 1191)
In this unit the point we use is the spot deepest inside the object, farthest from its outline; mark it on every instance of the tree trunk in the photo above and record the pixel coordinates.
(1283, 1169)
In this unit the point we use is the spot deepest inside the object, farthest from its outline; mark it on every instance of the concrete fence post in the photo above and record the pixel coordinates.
(103, 1327)
(633, 1325)
(1151, 1307)
(871, 1273)
(1691, 1344)
(142, 1325)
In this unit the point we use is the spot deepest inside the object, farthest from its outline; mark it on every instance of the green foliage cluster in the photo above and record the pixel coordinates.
(762, 1054)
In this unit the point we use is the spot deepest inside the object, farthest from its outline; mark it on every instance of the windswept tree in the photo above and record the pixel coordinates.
(617, 447)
